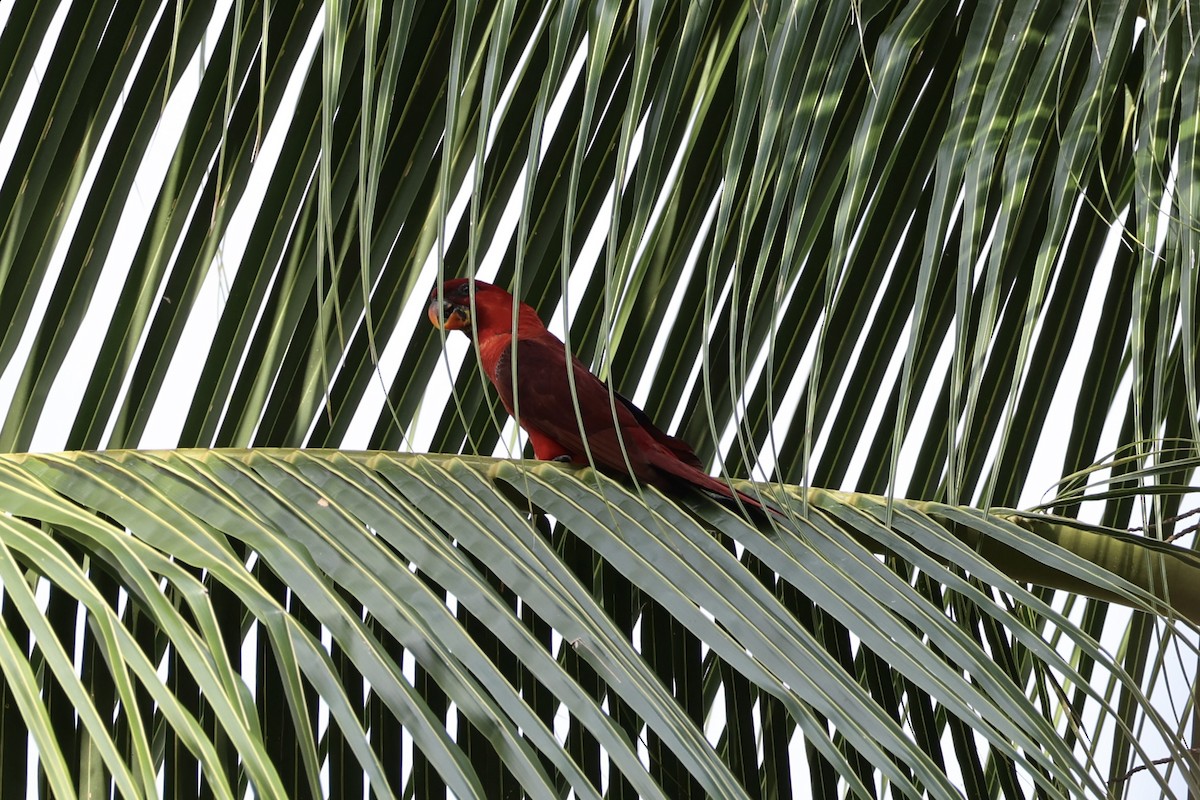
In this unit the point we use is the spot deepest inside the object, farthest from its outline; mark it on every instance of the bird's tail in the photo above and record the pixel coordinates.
(716, 487)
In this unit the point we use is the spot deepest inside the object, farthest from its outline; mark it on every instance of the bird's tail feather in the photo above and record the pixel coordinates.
(716, 488)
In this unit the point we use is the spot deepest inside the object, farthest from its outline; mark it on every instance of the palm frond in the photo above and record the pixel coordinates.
(924, 250)
(354, 568)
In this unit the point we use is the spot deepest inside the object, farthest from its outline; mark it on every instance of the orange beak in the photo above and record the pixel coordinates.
(449, 317)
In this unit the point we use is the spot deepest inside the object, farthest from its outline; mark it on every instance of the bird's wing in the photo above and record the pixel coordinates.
(616, 432)
(682, 450)
(544, 402)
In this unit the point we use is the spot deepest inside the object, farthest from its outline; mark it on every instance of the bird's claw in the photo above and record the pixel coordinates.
(563, 459)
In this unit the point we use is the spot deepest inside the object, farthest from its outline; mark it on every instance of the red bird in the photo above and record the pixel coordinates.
(614, 431)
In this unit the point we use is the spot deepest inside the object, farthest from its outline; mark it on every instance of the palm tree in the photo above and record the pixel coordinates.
(908, 265)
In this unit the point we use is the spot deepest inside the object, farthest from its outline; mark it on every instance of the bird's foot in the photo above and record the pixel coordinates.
(563, 459)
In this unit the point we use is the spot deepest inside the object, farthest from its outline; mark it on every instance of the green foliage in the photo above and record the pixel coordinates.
(928, 250)
(368, 547)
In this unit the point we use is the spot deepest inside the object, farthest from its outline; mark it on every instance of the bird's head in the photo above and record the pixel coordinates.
(493, 307)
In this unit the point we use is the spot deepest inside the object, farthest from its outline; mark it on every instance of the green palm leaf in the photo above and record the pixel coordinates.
(351, 535)
(924, 250)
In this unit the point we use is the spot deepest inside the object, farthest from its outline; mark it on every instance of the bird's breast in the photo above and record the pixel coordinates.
(493, 350)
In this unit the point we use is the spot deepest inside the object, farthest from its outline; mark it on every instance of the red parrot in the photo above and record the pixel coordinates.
(546, 411)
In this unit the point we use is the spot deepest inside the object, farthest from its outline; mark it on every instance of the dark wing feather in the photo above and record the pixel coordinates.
(678, 446)
(545, 403)
(615, 432)
(547, 352)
